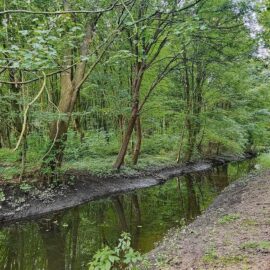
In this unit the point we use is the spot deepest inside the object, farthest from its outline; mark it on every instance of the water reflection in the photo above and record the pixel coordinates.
(70, 239)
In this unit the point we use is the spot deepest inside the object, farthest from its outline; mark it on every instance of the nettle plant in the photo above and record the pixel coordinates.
(123, 256)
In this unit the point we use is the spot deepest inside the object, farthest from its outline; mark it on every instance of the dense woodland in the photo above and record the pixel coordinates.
(127, 84)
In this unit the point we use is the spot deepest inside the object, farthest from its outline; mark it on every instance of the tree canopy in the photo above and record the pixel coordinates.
(107, 84)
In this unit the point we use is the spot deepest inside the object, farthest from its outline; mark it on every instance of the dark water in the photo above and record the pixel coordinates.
(68, 240)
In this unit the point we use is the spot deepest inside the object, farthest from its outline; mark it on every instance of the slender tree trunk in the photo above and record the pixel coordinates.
(23, 156)
(123, 150)
(77, 121)
(191, 139)
(180, 146)
(15, 89)
(136, 85)
(5, 137)
(137, 148)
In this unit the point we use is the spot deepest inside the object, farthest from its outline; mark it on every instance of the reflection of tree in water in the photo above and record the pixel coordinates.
(188, 197)
(21, 248)
(118, 203)
(193, 203)
(54, 241)
(219, 178)
(222, 177)
(101, 219)
(138, 220)
(61, 242)
(129, 217)
(14, 256)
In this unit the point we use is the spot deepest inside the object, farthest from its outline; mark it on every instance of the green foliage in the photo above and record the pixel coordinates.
(263, 161)
(2, 196)
(9, 173)
(25, 187)
(8, 156)
(121, 257)
(213, 99)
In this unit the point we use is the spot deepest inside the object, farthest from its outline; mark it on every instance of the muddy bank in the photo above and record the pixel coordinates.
(81, 187)
(234, 233)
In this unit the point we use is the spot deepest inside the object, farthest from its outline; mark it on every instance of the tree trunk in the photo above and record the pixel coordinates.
(71, 81)
(191, 139)
(15, 89)
(123, 150)
(137, 148)
(136, 85)
(58, 130)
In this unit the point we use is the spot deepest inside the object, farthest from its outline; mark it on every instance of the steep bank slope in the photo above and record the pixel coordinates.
(234, 233)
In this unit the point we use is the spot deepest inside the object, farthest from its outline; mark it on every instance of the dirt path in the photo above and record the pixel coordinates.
(234, 233)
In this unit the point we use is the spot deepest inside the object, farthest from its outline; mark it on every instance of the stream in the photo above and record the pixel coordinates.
(68, 240)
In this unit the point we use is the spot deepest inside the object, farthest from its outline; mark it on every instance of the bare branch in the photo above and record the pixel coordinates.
(27, 109)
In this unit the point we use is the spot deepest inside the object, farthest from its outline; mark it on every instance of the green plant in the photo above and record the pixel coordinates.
(228, 218)
(25, 187)
(210, 255)
(2, 196)
(121, 257)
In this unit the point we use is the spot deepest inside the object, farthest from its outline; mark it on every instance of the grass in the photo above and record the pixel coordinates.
(95, 154)
(228, 218)
(249, 222)
(8, 156)
(8, 173)
(102, 166)
(262, 245)
(10, 167)
(211, 257)
(263, 161)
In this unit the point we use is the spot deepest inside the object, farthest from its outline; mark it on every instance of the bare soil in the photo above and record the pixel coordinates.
(233, 234)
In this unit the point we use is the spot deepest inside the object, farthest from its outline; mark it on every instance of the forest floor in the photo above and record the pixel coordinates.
(234, 233)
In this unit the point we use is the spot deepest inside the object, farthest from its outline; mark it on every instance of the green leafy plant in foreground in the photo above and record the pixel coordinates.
(121, 257)
(25, 187)
(2, 196)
